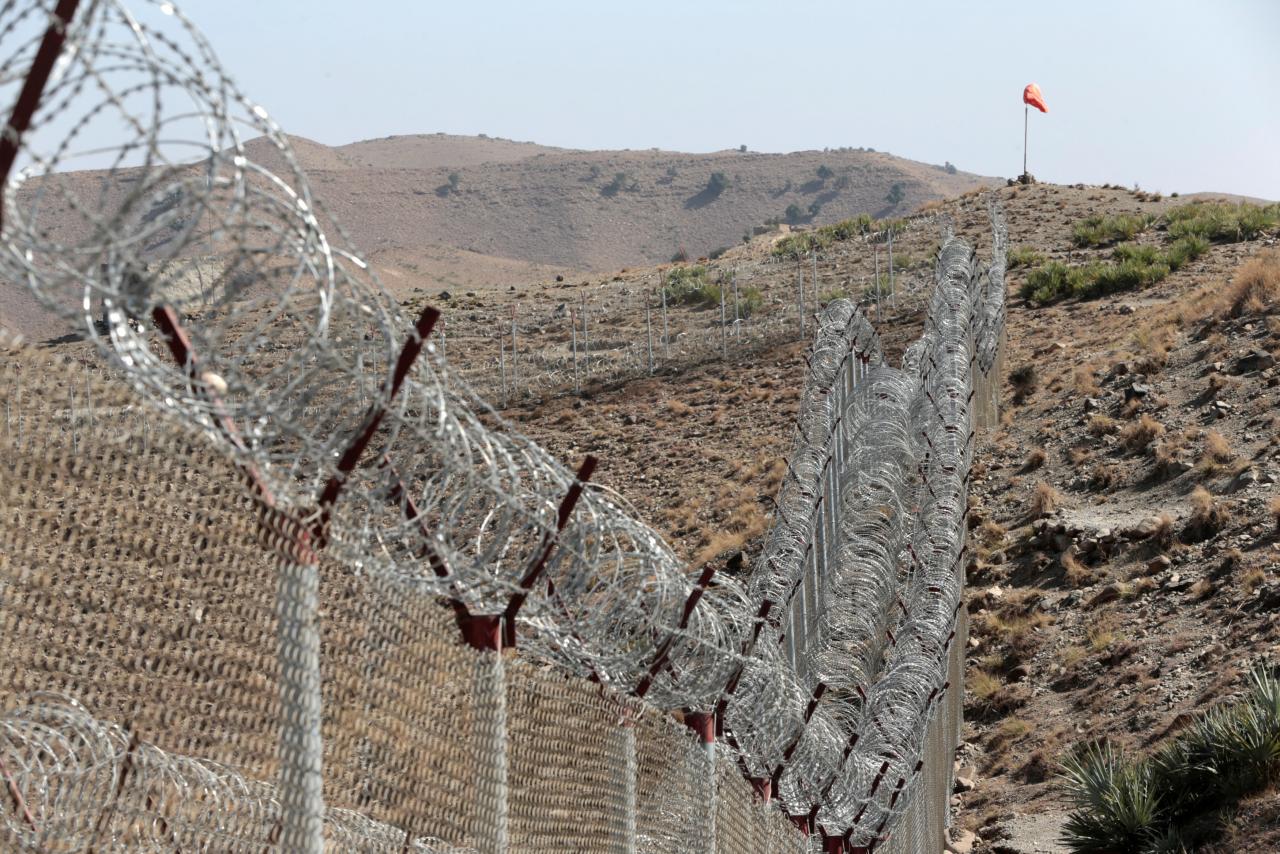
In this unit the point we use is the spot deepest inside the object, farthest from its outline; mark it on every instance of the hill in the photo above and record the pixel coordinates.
(1125, 567)
(464, 213)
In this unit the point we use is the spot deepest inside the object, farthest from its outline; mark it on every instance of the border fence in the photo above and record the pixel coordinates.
(320, 596)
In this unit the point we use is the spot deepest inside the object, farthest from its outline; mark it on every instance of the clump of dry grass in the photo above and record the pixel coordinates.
(678, 407)
(1024, 381)
(1075, 573)
(1163, 534)
(1217, 449)
(1079, 456)
(1255, 288)
(1252, 578)
(1140, 434)
(1102, 425)
(1034, 460)
(1085, 381)
(1104, 476)
(1208, 516)
(1044, 500)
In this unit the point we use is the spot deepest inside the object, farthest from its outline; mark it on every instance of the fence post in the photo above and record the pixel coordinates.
(484, 634)
(515, 355)
(800, 296)
(573, 326)
(586, 337)
(737, 317)
(877, 256)
(71, 417)
(648, 329)
(724, 342)
(628, 768)
(666, 339)
(817, 301)
(502, 367)
(301, 749)
(704, 725)
(893, 300)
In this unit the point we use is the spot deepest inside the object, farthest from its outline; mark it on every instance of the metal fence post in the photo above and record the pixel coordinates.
(573, 326)
(737, 315)
(666, 338)
(724, 343)
(648, 329)
(515, 354)
(586, 337)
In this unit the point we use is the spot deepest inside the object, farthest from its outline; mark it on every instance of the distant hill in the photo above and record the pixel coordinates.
(599, 210)
(439, 211)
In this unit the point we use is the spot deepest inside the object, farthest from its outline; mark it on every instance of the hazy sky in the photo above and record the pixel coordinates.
(1172, 95)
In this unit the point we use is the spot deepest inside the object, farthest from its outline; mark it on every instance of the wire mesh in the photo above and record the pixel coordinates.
(240, 552)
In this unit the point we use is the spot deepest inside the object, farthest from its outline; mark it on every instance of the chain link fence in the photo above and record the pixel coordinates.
(273, 575)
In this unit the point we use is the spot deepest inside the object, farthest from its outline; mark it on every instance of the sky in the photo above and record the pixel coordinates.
(1170, 95)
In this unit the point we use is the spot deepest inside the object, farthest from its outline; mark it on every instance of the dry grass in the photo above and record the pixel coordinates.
(1024, 381)
(1217, 450)
(678, 407)
(1140, 434)
(1075, 573)
(1208, 516)
(1202, 589)
(1044, 500)
(1085, 381)
(1101, 635)
(1034, 460)
(1255, 288)
(1079, 456)
(1252, 578)
(1102, 425)
(1163, 535)
(1104, 476)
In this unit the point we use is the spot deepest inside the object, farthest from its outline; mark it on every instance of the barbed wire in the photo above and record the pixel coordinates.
(288, 347)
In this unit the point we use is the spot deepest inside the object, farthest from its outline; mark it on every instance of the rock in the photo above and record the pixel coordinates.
(1110, 593)
(445, 295)
(1126, 308)
(1254, 360)
(1119, 369)
(1159, 563)
(1136, 390)
(1245, 479)
(962, 841)
(963, 784)
(1092, 404)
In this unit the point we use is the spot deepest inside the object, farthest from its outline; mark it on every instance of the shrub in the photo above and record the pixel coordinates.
(1024, 381)
(1044, 500)
(793, 213)
(717, 184)
(689, 286)
(1024, 256)
(1222, 221)
(1140, 434)
(896, 194)
(1100, 230)
(1255, 288)
(1173, 799)
(824, 172)
(1053, 281)
(1185, 250)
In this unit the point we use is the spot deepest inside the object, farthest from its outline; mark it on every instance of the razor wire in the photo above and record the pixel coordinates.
(290, 346)
(153, 800)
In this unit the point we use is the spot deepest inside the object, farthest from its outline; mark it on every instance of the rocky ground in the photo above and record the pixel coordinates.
(1126, 563)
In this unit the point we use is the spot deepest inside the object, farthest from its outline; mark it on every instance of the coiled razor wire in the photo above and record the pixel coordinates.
(70, 763)
(203, 210)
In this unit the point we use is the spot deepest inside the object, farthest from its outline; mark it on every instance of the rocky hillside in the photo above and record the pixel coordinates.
(468, 213)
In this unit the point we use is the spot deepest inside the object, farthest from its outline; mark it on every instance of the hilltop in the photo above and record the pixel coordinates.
(464, 213)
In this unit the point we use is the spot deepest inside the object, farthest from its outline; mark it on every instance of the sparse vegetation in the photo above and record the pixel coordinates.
(1255, 287)
(1024, 382)
(896, 194)
(1044, 500)
(1103, 230)
(1174, 799)
(1024, 256)
(1133, 266)
(1140, 434)
(1222, 221)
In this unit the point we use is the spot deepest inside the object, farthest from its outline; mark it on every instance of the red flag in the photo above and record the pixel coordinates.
(1031, 95)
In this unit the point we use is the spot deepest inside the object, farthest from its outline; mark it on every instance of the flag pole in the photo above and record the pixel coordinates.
(1026, 112)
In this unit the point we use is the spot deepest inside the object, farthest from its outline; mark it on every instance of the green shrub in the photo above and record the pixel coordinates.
(1222, 221)
(1053, 281)
(1173, 799)
(749, 301)
(1023, 256)
(1099, 230)
(833, 295)
(1184, 250)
